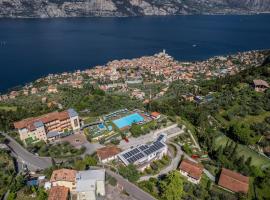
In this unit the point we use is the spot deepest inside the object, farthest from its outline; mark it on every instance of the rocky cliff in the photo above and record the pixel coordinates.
(87, 8)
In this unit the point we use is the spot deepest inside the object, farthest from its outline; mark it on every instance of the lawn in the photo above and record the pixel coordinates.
(255, 119)
(257, 159)
(8, 108)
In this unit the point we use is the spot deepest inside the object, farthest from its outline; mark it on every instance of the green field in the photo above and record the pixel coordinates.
(8, 108)
(257, 159)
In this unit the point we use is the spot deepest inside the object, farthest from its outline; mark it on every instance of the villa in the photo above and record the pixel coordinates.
(64, 177)
(193, 171)
(155, 115)
(144, 154)
(109, 153)
(49, 126)
(233, 181)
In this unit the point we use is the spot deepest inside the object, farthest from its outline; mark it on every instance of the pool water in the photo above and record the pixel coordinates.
(101, 126)
(128, 120)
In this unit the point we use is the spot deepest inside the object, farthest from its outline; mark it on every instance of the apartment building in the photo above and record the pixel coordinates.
(49, 126)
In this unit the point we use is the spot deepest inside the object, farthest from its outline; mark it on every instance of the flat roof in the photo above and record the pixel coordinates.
(142, 151)
(97, 175)
(86, 185)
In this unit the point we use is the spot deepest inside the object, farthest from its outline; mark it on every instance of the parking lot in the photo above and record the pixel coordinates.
(76, 140)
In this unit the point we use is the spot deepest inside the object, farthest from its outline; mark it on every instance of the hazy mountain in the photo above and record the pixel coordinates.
(80, 8)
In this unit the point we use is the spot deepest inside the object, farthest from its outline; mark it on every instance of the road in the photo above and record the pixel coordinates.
(32, 161)
(130, 188)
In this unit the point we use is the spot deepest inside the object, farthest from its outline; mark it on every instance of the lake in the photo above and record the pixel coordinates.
(32, 48)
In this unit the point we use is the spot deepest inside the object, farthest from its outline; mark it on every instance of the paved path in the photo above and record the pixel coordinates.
(130, 188)
(32, 161)
(91, 148)
(194, 141)
(209, 175)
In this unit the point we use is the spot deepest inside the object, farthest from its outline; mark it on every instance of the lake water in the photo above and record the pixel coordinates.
(32, 48)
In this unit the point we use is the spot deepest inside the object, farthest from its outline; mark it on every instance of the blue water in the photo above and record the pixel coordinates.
(128, 120)
(101, 126)
(32, 48)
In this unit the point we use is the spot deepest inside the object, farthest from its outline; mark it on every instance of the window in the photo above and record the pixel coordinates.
(76, 122)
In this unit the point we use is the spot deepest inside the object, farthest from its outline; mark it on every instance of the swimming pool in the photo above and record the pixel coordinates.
(128, 120)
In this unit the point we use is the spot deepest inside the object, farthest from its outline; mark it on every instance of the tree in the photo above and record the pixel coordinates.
(130, 172)
(90, 161)
(41, 194)
(11, 196)
(172, 186)
(136, 130)
(240, 132)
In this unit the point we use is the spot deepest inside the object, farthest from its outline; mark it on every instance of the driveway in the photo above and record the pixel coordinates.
(79, 140)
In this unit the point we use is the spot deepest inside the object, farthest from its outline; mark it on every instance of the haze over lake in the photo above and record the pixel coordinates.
(32, 48)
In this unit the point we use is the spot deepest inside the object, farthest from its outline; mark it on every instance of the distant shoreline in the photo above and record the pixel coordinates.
(35, 47)
(104, 65)
(135, 16)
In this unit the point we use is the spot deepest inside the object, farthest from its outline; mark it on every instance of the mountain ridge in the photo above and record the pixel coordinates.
(123, 8)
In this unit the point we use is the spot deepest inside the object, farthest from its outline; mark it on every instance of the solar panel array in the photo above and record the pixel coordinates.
(131, 153)
(143, 147)
(160, 138)
(154, 147)
(142, 151)
(135, 157)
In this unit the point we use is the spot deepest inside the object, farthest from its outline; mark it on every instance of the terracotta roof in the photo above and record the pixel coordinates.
(64, 175)
(193, 169)
(261, 82)
(107, 152)
(58, 193)
(233, 181)
(28, 123)
(155, 114)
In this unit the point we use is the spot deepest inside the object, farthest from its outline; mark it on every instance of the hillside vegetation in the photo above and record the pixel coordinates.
(86, 8)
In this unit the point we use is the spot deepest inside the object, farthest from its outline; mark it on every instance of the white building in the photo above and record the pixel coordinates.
(144, 154)
(90, 183)
(191, 170)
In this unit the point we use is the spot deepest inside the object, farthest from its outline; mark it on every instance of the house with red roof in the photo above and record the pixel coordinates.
(233, 181)
(106, 154)
(193, 171)
(155, 115)
(58, 193)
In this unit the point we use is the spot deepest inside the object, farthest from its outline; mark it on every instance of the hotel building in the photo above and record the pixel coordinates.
(49, 126)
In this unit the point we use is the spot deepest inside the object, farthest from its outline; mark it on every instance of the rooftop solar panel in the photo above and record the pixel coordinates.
(143, 147)
(160, 138)
(154, 147)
